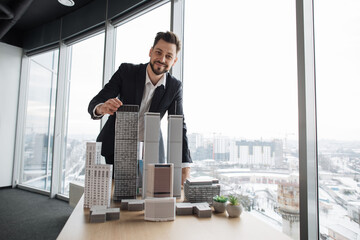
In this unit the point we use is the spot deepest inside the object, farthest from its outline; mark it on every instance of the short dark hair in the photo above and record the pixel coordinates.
(169, 37)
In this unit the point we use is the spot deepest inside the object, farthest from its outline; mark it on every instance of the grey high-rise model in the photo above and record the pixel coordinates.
(125, 154)
(174, 152)
(151, 144)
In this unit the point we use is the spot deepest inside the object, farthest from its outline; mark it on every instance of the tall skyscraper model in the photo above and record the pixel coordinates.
(174, 152)
(151, 144)
(126, 149)
(98, 177)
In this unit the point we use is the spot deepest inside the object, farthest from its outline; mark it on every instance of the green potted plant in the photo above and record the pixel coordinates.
(219, 203)
(234, 208)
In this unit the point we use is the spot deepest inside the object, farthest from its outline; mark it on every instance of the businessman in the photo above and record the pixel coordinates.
(150, 86)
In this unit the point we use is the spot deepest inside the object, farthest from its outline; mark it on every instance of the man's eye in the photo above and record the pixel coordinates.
(168, 57)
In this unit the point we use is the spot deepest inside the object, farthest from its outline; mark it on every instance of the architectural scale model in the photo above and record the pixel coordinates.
(160, 180)
(151, 144)
(98, 177)
(202, 210)
(201, 190)
(174, 152)
(160, 209)
(125, 154)
(132, 204)
(102, 214)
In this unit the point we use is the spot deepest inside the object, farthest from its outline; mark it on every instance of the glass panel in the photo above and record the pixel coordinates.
(135, 38)
(240, 103)
(39, 126)
(337, 38)
(85, 82)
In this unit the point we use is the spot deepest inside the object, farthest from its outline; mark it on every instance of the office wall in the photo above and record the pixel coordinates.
(10, 63)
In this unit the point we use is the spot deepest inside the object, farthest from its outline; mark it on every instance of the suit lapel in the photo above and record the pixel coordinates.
(140, 84)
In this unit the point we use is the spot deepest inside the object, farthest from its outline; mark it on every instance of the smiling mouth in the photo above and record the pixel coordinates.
(160, 64)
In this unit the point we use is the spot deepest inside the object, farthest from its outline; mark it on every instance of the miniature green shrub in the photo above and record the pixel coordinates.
(233, 200)
(221, 199)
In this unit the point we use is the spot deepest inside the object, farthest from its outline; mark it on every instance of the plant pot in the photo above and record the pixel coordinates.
(219, 207)
(234, 210)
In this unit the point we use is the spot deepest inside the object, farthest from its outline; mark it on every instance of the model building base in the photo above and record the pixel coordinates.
(160, 209)
(202, 210)
(99, 214)
(132, 204)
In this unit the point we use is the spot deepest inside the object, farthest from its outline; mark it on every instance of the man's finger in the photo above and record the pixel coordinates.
(115, 102)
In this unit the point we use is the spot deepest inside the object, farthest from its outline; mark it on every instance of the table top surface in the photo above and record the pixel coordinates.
(132, 225)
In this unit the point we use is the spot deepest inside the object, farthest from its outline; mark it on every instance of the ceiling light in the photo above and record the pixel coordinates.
(68, 3)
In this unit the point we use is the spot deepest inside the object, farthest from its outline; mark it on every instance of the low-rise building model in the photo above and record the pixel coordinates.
(160, 209)
(197, 190)
(202, 210)
(100, 213)
(98, 177)
(159, 180)
(132, 204)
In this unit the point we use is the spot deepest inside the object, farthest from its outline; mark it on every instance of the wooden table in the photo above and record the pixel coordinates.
(132, 226)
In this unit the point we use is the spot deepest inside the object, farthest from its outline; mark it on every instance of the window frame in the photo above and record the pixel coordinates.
(309, 218)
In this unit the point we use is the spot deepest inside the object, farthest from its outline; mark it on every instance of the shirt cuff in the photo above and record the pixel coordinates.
(94, 112)
(185, 164)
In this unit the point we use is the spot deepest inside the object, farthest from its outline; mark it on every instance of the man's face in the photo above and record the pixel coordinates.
(162, 57)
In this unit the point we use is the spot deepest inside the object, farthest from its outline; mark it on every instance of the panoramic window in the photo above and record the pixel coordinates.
(240, 103)
(337, 52)
(39, 124)
(135, 38)
(85, 82)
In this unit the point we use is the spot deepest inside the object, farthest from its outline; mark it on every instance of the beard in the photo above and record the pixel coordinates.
(157, 71)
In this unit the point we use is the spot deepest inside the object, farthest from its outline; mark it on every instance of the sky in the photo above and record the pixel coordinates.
(240, 72)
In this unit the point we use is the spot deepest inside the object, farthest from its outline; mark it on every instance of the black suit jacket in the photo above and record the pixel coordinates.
(128, 84)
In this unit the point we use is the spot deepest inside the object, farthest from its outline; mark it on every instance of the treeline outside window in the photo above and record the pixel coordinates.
(240, 103)
(337, 50)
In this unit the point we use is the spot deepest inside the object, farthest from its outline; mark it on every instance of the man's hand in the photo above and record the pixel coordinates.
(185, 175)
(109, 107)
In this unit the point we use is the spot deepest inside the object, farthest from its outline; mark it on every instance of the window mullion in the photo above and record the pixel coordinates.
(60, 118)
(308, 175)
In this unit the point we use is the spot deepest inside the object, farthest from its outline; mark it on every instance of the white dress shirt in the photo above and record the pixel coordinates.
(148, 94)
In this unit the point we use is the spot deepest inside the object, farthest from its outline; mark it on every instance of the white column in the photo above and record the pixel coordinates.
(175, 139)
(151, 144)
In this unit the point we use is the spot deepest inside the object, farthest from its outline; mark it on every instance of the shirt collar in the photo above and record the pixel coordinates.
(162, 80)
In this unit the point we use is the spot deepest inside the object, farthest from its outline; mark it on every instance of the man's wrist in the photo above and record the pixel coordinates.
(185, 164)
(96, 115)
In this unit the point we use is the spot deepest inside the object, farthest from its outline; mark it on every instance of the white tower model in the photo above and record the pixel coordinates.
(126, 150)
(151, 144)
(174, 152)
(98, 177)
